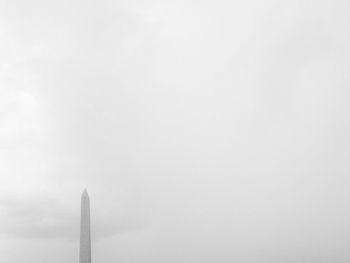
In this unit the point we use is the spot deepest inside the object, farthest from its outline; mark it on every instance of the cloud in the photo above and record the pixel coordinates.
(21, 117)
(38, 218)
(203, 132)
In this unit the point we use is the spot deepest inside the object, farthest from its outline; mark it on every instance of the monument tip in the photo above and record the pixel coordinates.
(85, 192)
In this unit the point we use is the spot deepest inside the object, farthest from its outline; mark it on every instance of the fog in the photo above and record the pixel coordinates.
(204, 131)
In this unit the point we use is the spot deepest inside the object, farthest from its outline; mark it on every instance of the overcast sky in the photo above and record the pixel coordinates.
(205, 131)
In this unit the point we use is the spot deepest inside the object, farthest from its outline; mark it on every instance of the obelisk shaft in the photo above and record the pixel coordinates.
(85, 239)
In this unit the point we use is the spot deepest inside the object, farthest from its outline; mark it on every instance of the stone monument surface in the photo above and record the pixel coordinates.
(85, 239)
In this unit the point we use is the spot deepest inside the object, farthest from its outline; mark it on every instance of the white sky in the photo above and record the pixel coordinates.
(205, 131)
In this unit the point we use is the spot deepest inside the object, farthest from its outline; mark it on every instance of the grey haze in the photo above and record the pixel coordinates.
(205, 131)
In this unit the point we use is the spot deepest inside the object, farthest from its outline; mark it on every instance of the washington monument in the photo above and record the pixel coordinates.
(85, 240)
